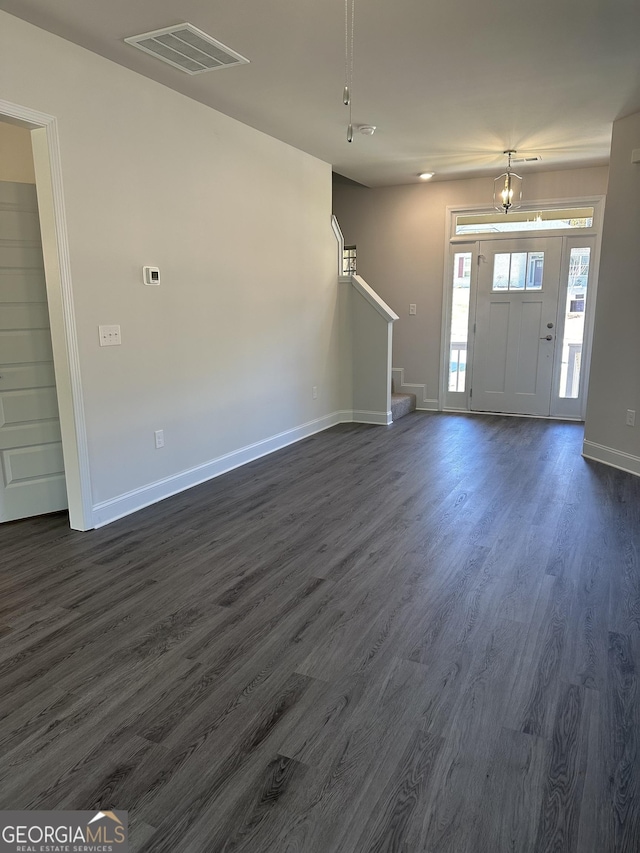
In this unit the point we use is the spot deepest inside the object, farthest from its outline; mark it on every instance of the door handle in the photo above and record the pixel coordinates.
(547, 338)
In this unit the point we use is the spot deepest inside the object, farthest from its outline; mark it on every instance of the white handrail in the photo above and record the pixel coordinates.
(340, 238)
(373, 299)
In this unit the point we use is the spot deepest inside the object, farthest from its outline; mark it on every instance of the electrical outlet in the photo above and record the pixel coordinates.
(631, 417)
(109, 336)
(314, 392)
(412, 308)
(159, 437)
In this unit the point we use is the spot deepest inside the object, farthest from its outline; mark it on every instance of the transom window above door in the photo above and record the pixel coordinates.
(518, 271)
(526, 220)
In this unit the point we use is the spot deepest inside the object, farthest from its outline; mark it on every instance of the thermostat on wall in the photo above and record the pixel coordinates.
(151, 275)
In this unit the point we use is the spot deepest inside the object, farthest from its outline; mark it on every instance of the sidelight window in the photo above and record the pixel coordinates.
(573, 337)
(459, 329)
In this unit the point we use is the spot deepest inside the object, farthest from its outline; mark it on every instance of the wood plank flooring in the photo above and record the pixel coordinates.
(420, 639)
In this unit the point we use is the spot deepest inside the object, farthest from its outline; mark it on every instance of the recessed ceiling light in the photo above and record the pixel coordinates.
(426, 175)
(367, 129)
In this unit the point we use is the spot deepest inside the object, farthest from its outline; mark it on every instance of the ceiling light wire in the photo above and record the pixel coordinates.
(349, 30)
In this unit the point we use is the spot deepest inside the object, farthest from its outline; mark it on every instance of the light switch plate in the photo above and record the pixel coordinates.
(412, 308)
(109, 336)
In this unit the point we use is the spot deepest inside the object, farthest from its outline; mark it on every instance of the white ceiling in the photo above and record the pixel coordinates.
(450, 85)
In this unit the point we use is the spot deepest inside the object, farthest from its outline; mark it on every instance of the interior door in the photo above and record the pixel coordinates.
(32, 471)
(515, 334)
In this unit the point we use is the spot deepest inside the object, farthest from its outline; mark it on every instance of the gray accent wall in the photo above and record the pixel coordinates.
(401, 233)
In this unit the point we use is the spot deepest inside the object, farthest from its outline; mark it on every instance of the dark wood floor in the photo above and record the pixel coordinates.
(422, 639)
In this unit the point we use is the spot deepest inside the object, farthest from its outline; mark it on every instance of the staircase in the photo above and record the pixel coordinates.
(401, 404)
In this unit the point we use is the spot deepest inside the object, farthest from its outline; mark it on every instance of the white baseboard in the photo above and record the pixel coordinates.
(609, 456)
(423, 403)
(111, 510)
(360, 416)
(378, 418)
(107, 511)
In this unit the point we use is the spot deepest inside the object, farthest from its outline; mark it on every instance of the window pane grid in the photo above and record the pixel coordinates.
(517, 271)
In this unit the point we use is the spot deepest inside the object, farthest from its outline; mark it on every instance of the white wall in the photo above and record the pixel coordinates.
(400, 236)
(225, 352)
(371, 358)
(615, 379)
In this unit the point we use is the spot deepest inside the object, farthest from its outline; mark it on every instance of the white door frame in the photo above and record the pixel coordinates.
(470, 243)
(57, 265)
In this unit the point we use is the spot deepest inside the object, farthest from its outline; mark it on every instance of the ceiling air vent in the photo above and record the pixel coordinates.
(533, 159)
(188, 48)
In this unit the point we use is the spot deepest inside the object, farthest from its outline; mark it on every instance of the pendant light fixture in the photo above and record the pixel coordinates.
(349, 20)
(507, 188)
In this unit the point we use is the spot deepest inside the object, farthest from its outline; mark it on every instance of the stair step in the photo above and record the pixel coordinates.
(402, 404)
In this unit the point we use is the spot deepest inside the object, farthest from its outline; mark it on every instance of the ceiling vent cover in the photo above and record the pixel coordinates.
(188, 48)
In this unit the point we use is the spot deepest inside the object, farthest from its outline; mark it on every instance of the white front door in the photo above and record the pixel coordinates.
(32, 478)
(515, 325)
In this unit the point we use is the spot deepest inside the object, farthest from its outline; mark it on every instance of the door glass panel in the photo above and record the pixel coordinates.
(459, 321)
(518, 270)
(574, 322)
(534, 271)
(501, 265)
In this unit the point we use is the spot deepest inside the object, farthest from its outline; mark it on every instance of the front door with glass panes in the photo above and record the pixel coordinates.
(520, 313)
(515, 325)
(529, 306)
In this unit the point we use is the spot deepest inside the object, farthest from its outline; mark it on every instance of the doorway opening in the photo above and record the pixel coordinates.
(518, 313)
(31, 461)
(65, 388)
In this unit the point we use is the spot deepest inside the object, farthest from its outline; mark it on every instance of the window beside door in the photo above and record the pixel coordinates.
(573, 337)
(459, 328)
